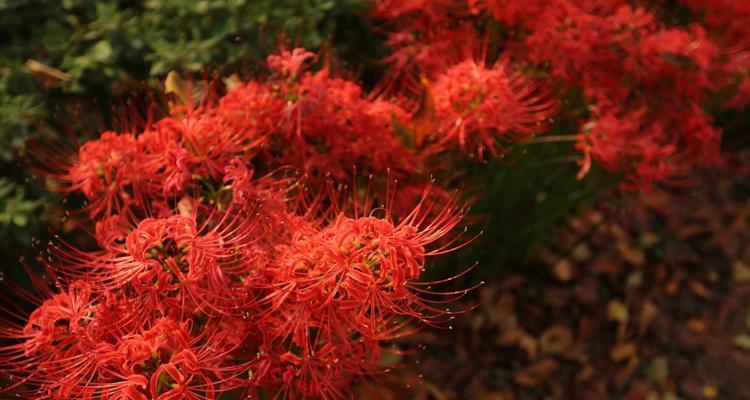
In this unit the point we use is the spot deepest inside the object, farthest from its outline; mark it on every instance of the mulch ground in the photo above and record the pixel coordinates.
(648, 299)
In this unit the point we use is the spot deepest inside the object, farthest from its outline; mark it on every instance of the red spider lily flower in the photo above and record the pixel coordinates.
(255, 107)
(702, 141)
(246, 188)
(421, 35)
(172, 263)
(206, 141)
(216, 261)
(479, 107)
(310, 121)
(625, 145)
(328, 118)
(60, 322)
(575, 43)
(158, 363)
(649, 150)
(675, 57)
(725, 22)
(106, 173)
(173, 308)
(324, 367)
(337, 285)
(628, 64)
(52, 349)
(83, 344)
(119, 171)
(361, 271)
(290, 63)
(162, 362)
(513, 12)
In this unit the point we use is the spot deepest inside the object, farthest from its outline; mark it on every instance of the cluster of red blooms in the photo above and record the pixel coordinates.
(227, 261)
(220, 269)
(645, 83)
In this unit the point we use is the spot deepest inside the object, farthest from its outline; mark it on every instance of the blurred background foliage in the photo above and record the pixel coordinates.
(88, 56)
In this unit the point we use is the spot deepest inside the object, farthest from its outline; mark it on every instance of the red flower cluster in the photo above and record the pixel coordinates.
(218, 270)
(477, 106)
(227, 262)
(645, 83)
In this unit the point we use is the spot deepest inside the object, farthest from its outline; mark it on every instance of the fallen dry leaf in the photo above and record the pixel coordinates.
(741, 272)
(532, 375)
(672, 286)
(46, 74)
(555, 340)
(658, 369)
(742, 341)
(624, 374)
(699, 289)
(623, 351)
(563, 270)
(697, 325)
(585, 373)
(631, 254)
(529, 345)
(710, 391)
(617, 311)
(582, 252)
(648, 312)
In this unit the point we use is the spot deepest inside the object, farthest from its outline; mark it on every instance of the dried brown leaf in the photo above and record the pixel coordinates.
(623, 351)
(533, 374)
(556, 339)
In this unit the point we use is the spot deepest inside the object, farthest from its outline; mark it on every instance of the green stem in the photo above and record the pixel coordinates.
(554, 139)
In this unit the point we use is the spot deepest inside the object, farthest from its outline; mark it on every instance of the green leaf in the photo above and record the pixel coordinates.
(101, 51)
(20, 219)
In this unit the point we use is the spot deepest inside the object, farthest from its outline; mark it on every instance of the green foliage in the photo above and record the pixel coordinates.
(17, 213)
(101, 48)
(523, 199)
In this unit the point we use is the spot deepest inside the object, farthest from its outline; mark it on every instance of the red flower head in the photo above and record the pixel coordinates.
(171, 263)
(361, 272)
(161, 362)
(108, 173)
(290, 63)
(334, 127)
(333, 289)
(60, 323)
(478, 107)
